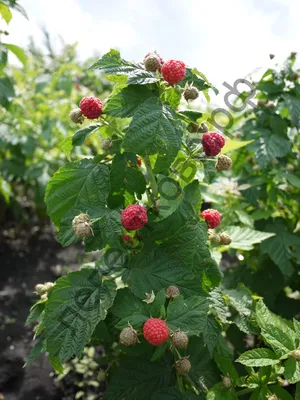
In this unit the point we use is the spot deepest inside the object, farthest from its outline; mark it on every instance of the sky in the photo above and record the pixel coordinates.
(226, 40)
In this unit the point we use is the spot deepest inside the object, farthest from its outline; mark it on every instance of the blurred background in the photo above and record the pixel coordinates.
(46, 48)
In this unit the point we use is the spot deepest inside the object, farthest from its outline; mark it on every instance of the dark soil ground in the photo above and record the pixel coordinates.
(28, 255)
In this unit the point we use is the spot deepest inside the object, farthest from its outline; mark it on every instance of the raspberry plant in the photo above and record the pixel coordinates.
(153, 299)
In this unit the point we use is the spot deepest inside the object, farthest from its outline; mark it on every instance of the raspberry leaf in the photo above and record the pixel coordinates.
(211, 333)
(75, 305)
(292, 370)
(80, 136)
(130, 309)
(82, 186)
(258, 358)
(188, 315)
(270, 146)
(154, 129)
(245, 238)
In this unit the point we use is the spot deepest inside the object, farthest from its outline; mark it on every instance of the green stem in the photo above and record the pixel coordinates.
(152, 182)
(119, 133)
(244, 391)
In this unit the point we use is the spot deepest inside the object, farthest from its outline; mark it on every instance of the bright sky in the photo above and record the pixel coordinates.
(226, 40)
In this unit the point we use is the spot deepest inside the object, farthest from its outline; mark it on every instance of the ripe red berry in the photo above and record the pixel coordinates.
(139, 161)
(134, 217)
(212, 143)
(173, 71)
(156, 331)
(91, 107)
(212, 217)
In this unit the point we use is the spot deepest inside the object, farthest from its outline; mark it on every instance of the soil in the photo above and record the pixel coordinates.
(28, 255)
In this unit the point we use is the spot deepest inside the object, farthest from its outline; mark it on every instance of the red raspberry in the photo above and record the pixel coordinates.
(139, 161)
(173, 71)
(156, 331)
(212, 143)
(91, 107)
(134, 217)
(212, 217)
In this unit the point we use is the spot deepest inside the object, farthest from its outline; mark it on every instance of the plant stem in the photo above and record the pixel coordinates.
(244, 391)
(152, 182)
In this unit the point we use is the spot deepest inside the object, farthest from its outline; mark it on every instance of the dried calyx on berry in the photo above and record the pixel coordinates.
(76, 116)
(183, 366)
(128, 336)
(82, 226)
(172, 291)
(106, 144)
(180, 340)
(191, 93)
(226, 382)
(153, 62)
(224, 163)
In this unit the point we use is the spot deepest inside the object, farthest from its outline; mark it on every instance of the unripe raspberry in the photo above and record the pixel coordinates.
(139, 161)
(193, 128)
(227, 382)
(224, 239)
(44, 296)
(224, 163)
(191, 93)
(156, 331)
(48, 286)
(296, 354)
(101, 377)
(153, 62)
(295, 76)
(183, 366)
(172, 291)
(273, 397)
(81, 226)
(212, 217)
(261, 103)
(91, 107)
(212, 143)
(106, 144)
(76, 116)
(173, 71)
(134, 217)
(128, 336)
(40, 289)
(180, 340)
(270, 105)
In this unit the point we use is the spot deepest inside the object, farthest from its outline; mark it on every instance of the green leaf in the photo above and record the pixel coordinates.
(35, 312)
(171, 196)
(157, 270)
(260, 393)
(5, 189)
(231, 145)
(158, 304)
(154, 129)
(224, 358)
(80, 136)
(173, 97)
(130, 309)
(204, 369)
(258, 358)
(275, 331)
(209, 170)
(269, 147)
(82, 186)
(36, 351)
(113, 65)
(281, 393)
(67, 146)
(190, 115)
(297, 392)
(192, 194)
(279, 248)
(173, 394)
(219, 305)
(124, 178)
(75, 306)
(6, 13)
(160, 351)
(6, 91)
(219, 393)
(245, 238)
(293, 180)
(241, 299)
(292, 370)
(18, 52)
(125, 103)
(138, 376)
(211, 333)
(188, 315)
(191, 77)
(293, 105)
